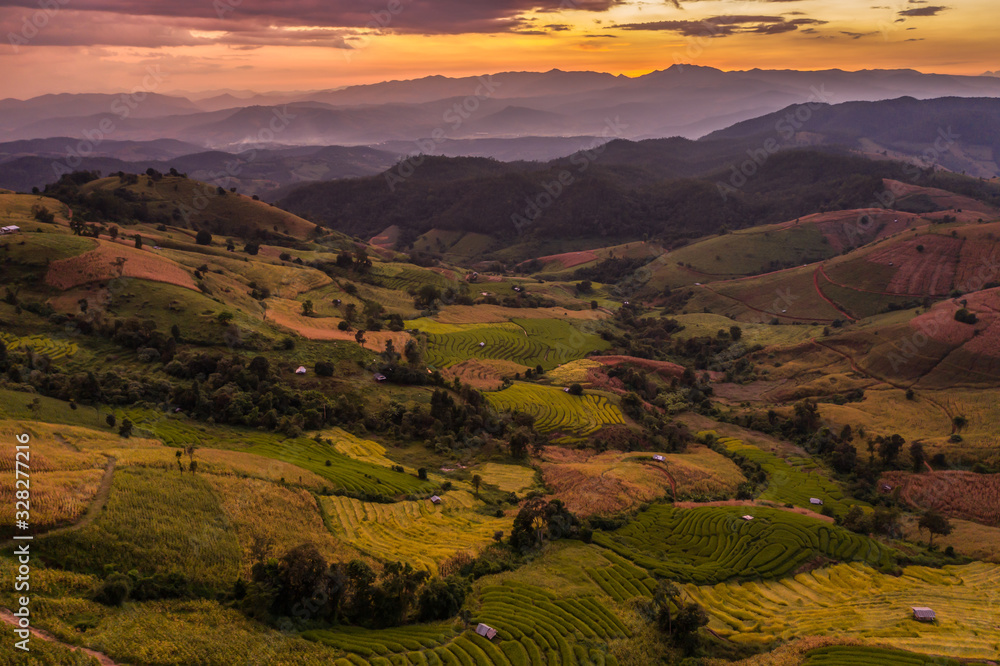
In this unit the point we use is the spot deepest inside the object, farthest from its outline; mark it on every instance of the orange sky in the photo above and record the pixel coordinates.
(107, 45)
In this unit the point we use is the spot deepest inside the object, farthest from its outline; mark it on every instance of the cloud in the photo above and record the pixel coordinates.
(933, 10)
(722, 26)
(303, 22)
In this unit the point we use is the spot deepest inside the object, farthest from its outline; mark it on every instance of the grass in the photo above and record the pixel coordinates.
(855, 601)
(418, 532)
(508, 478)
(154, 521)
(556, 410)
(714, 544)
(792, 479)
(708, 325)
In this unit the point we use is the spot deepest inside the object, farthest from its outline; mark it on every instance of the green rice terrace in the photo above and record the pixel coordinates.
(555, 410)
(529, 342)
(716, 544)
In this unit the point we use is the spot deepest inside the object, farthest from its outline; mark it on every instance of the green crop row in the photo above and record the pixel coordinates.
(713, 544)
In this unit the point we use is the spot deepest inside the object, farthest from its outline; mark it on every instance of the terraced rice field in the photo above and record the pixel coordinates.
(54, 349)
(714, 544)
(622, 580)
(792, 479)
(854, 655)
(855, 601)
(99, 264)
(403, 277)
(418, 532)
(534, 628)
(545, 342)
(556, 410)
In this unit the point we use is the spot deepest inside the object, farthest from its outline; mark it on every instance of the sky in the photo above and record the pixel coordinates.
(206, 45)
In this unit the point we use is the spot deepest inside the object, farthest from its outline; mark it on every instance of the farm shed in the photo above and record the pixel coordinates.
(659, 458)
(747, 517)
(12, 229)
(301, 370)
(379, 377)
(435, 499)
(815, 500)
(923, 614)
(486, 630)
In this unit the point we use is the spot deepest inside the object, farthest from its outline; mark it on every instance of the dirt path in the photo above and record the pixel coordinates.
(820, 293)
(93, 511)
(795, 509)
(8, 617)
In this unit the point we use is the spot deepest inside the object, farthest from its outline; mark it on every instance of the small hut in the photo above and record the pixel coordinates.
(659, 458)
(747, 517)
(923, 614)
(301, 370)
(486, 631)
(435, 499)
(816, 500)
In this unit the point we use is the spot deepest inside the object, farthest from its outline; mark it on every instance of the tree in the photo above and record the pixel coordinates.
(476, 482)
(426, 296)
(889, 448)
(665, 596)
(138, 242)
(917, 456)
(934, 523)
(203, 237)
(575, 389)
(359, 337)
(307, 308)
(585, 287)
(252, 248)
(350, 312)
(224, 317)
(125, 430)
(958, 423)
(735, 332)
(113, 232)
(110, 420)
(230, 245)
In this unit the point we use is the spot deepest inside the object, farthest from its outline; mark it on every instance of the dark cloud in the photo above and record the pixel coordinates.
(722, 26)
(933, 10)
(255, 18)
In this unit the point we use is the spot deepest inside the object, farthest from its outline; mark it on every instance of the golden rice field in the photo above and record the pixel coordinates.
(418, 532)
(613, 481)
(54, 349)
(855, 601)
(574, 372)
(60, 447)
(556, 410)
(364, 450)
(508, 478)
(281, 517)
(56, 497)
